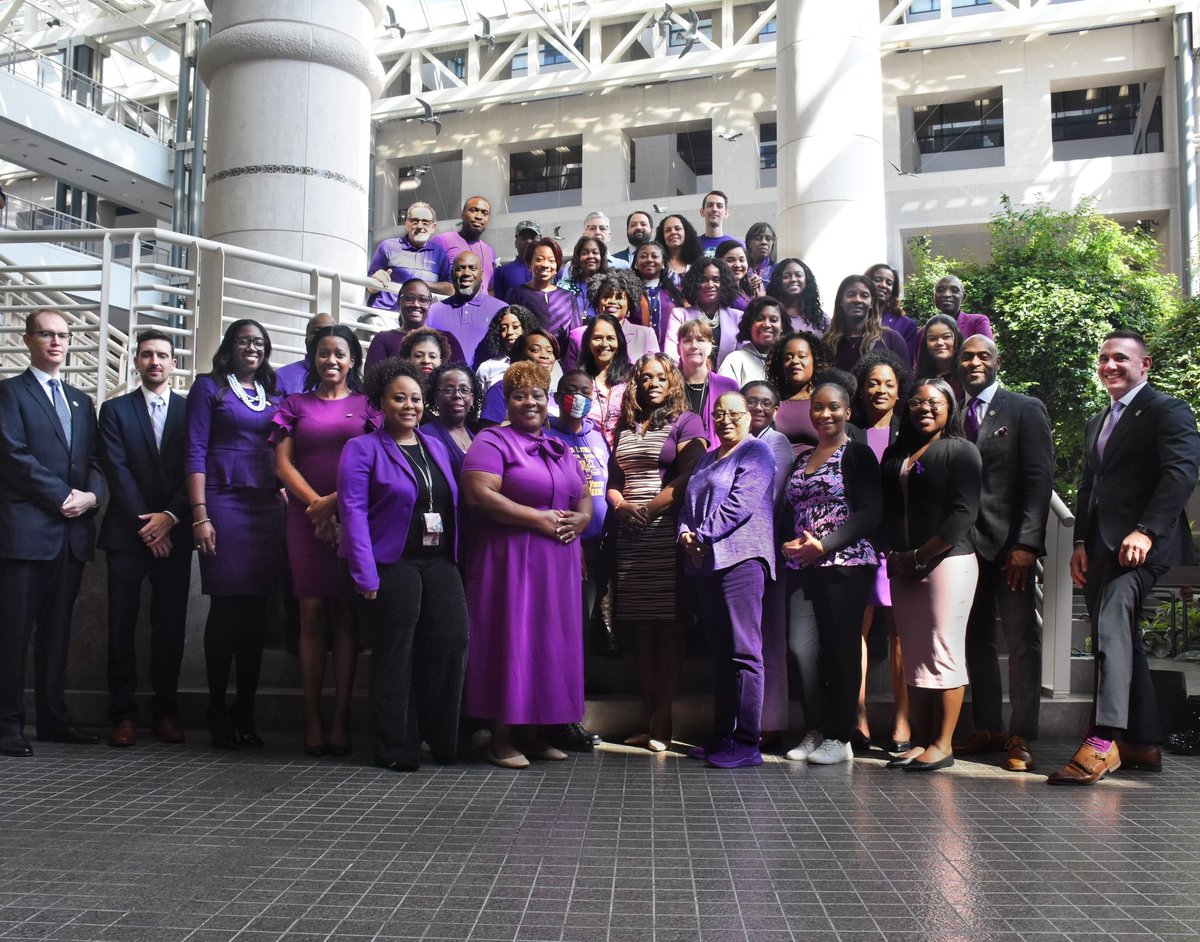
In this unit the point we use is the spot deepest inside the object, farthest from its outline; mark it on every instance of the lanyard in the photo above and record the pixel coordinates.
(422, 468)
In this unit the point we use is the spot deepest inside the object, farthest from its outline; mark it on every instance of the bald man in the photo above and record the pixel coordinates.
(465, 315)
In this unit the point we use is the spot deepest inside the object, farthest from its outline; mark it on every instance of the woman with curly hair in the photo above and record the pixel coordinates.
(761, 245)
(231, 485)
(399, 502)
(456, 398)
(658, 443)
(759, 328)
(530, 503)
(538, 345)
(662, 294)
(494, 353)
(425, 348)
(709, 290)
(589, 258)
(887, 298)
(793, 285)
(856, 327)
(749, 282)
(556, 309)
(620, 294)
(792, 363)
(679, 238)
(605, 358)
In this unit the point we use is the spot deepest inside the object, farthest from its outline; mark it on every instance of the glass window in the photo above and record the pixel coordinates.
(546, 169)
(1095, 112)
(960, 125)
(767, 145)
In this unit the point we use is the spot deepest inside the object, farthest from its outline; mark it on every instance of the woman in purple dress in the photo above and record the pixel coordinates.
(311, 429)
(231, 484)
(658, 442)
(530, 502)
(556, 309)
(398, 503)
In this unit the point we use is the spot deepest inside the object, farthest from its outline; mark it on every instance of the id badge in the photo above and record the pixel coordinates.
(433, 530)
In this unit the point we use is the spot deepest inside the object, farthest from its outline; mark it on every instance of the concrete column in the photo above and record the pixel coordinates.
(291, 84)
(830, 177)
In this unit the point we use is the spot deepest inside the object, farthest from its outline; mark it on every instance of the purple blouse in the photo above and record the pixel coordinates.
(556, 310)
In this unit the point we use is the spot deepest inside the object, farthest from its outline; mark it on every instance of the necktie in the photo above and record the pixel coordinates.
(158, 418)
(60, 407)
(1109, 424)
(971, 421)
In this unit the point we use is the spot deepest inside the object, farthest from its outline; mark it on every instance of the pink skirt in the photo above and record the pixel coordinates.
(931, 620)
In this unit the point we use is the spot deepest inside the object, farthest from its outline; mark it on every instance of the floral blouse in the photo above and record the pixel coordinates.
(818, 501)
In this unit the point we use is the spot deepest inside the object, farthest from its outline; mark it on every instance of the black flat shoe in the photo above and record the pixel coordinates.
(72, 735)
(860, 742)
(899, 745)
(340, 751)
(900, 762)
(915, 766)
(224, 740)
(245, 733)
(316, 751)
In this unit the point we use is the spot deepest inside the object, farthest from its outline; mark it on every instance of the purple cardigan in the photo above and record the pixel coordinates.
(728, 505)
(376, 493)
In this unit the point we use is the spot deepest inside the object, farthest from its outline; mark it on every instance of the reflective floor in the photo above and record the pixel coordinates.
(182, 843)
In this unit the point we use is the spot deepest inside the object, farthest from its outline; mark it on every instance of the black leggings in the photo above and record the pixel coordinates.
(839, 599)
(235, 630)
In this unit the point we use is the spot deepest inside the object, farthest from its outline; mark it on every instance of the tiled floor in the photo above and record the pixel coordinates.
(163, 844)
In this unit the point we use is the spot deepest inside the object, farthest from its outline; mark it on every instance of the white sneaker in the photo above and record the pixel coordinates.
(831, 752)
(807, 746)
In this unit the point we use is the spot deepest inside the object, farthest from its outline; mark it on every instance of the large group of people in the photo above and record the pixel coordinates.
(672, 435)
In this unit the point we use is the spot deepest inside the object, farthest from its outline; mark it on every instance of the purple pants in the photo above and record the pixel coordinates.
(731, 607)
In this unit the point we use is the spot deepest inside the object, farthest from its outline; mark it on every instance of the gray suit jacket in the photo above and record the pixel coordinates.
(1018, 475)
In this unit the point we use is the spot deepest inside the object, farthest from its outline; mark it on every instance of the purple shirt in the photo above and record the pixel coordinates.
(404, 260)
(386, 344)
(465, 318)
(728, 505)
(591, 449)
(290, 379)
(557, 310)
(710, 243)
(376, 491)
(227, 440)
(509, 276)
(453, 244)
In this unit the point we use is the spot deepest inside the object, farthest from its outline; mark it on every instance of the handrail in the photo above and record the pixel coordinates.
(1056, 598)
(71, 83)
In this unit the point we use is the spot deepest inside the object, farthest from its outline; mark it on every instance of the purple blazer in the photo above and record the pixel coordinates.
(728, 505)
(728, 319)
(376, 494)
(718, 386)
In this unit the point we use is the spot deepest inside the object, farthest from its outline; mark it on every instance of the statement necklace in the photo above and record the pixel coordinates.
(255, 404)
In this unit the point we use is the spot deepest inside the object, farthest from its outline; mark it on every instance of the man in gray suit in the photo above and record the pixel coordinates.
(1012, 433)
(50, 486)
(1141, 460)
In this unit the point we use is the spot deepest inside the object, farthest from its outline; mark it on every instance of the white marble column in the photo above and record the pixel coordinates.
(291, 84)
(830, 162)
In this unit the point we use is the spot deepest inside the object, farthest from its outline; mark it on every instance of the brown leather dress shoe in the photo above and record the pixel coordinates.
(1020, 755)
(1087, 766)
(1140, 757)
(980, 742)
(165, 730)
(123, 734)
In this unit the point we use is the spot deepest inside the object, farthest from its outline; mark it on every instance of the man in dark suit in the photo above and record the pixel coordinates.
(50, 485)
(1141, 460)
(1012, 433)
(146, 532)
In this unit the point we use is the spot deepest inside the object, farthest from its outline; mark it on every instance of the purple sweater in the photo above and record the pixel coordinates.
(728, 505)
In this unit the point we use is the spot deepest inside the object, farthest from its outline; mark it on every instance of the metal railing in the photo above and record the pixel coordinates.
(193, 299)
(41, 71)
(1054, 594)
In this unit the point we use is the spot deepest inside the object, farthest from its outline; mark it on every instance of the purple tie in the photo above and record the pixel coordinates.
(971, 423)
(1109, 424)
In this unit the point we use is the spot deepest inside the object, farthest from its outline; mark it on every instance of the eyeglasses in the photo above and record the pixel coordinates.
(720, 415)
(48, 335)
(450, 392)
(417, 299)
(245, 342)
(935, 405)
(763, 403)
(424, 220)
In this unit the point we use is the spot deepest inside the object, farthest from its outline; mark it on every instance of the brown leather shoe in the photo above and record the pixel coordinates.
(1140, 757)
(1087, 767)
(165, 730)
(980, 742)
(1020, 756)
(123, 734)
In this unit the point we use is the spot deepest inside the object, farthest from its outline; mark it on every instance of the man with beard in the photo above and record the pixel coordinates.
(467, 313)
(415, 302)
(413, 255)
(476, 214)
(639, 229)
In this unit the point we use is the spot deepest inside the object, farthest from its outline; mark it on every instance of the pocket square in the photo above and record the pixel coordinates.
(1002, 430)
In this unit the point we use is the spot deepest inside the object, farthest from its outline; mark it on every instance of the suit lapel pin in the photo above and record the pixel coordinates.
(1136, 414)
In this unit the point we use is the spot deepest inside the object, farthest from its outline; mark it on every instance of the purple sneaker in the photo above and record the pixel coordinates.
(734, 755)
(704, 750)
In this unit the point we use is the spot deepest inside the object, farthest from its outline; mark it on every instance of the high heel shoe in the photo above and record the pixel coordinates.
(245, 733)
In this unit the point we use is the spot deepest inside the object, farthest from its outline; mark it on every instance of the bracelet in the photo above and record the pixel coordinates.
(200, 523)
(201, 504)
(916, 565)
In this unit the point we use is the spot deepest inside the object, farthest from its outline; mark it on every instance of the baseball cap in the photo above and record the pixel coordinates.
(530, 225)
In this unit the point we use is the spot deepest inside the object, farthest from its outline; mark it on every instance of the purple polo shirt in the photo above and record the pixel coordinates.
(465, 318)
(453, 244)
(509, 276)
(404, 260)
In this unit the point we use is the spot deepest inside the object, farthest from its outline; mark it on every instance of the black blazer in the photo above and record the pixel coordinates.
(943, 497)
(142, 477)
(38, 471)
(1018, 476)
(1148, 473)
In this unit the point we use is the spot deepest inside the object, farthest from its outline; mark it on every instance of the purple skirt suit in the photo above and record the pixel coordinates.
(227, 443)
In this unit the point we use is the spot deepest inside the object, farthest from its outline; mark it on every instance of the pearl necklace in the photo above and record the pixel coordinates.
(258, 403)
